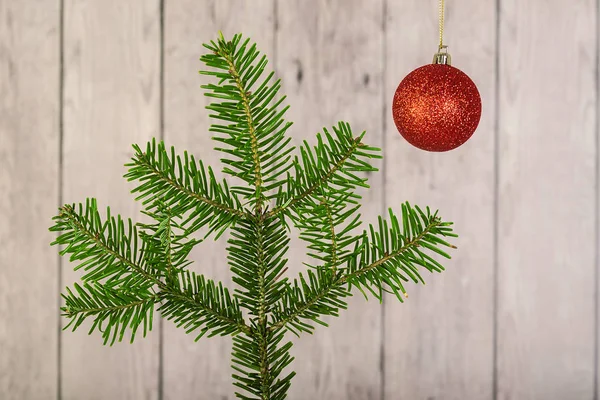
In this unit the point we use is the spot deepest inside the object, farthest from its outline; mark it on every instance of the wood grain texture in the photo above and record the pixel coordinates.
(439, 343)
(201, 370)
(546, 206)
(29, 143)
(597, 204)
(329, 56)
(111, 100)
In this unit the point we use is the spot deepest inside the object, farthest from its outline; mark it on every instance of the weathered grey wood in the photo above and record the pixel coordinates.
(439, 343)
(112, 70)
(201, 370)
(546, 241)
(29, 143)
(597, 215)
(329, 56)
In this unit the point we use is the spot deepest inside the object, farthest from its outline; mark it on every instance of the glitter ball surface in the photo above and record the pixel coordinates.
(437, 107)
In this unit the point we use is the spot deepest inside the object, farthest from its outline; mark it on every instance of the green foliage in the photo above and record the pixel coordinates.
(131, 268)
(256, 259)
(107, 250)
(253, 130)
(382, 259)
(118, 308)
(258, 362)
(184, 186)
(321, 196)
(202, 305)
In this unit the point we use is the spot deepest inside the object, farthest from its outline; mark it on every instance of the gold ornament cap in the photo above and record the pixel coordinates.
(442, 56)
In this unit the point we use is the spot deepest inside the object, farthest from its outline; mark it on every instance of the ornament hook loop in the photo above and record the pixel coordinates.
(442, 56)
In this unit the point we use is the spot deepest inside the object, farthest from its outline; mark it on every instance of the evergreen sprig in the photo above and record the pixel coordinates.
(119, 309)
(384, 258)
(132, 268)
(321, 197)
(108, 250)
(253, 129)
(203, 305)
(183, 185)
(258, 362)
(256, 259)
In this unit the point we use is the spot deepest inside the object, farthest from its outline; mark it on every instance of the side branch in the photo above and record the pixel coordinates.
(319, 182)
(68, 212)
(113, 310)
(337, 283)
(225, 320)
(121, 280)
(161, 176)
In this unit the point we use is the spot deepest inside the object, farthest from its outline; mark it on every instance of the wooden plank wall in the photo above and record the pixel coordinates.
(514, 317)
(547, 228)
(29, 194)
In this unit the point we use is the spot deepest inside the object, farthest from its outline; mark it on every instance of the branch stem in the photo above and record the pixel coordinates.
(334, 259)
(261, 335)
(71, 312)
(245, 95)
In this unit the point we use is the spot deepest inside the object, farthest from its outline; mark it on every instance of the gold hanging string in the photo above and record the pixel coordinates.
(441, 46)
(442, 56)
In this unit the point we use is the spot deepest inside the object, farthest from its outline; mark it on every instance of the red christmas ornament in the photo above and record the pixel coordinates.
(437, 107)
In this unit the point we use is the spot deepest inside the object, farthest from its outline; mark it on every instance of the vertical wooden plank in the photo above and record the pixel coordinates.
(29, 159)
(597, 202)
(546, 239)
(111, 100)
(439, 343)
(201, 370)
(329, 56)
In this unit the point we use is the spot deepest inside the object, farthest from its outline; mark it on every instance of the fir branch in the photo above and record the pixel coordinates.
(387, 257)
(162, 176)
(245, 95)
(334, 243)
(256, 256)
(327, 228)
(310, 299)
(203, 305)
(121, 264)
(260, 335)
(110, 256)
(319, 181)
(322, 194)
(167, 243)
(257, 150)
(164, 235)
(185, 187)
(118, 308)
(256, 251)
(130, 268)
